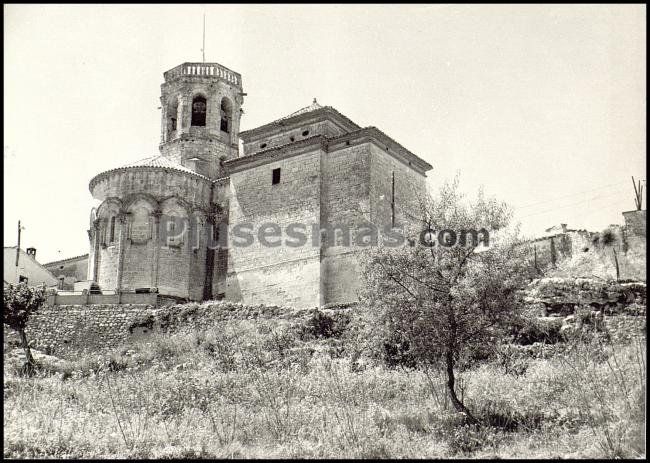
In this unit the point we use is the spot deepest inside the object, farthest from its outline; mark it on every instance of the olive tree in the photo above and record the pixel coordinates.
(445, 300)
(20, 302)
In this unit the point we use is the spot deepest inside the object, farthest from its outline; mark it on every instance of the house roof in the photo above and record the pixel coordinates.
(24, 254)
(81, 257)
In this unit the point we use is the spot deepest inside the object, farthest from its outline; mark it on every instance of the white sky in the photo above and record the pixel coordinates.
(543, 105)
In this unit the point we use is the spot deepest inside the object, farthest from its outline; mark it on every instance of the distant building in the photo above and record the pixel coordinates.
(560, 243)
(28, 269)
(69, 271)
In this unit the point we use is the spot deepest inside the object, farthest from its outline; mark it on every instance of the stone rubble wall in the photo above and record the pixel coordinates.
(574, 303)
(558, 295)
(565, 303)
(65, 330)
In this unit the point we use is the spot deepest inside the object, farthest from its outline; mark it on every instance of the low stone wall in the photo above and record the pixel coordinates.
(194, 316)
(568, 304)
(574, 304)
(563, 295)
(64, 330)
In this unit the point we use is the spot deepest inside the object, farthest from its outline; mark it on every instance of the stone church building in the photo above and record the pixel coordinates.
(312, 168)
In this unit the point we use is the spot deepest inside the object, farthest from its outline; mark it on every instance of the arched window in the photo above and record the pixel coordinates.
(199, 108)
(226, 115)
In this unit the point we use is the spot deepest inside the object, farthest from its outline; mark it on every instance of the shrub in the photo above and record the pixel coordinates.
(220, 345)
(527, 330)
(279, 341)
(396, 352)
(117, 363)
(144, 321)
(323, 325)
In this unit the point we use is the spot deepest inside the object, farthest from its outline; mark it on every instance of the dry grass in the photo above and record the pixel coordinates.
(254, 390)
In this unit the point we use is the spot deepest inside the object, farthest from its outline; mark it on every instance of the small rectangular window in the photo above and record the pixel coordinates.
(276, 176)
(22, 279)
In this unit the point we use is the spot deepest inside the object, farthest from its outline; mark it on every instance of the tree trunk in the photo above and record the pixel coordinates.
(451, 381)
(29, 365)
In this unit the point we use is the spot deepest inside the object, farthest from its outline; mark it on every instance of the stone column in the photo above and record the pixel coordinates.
(156, 247)
(181, 126)
(122, 218)
(91, 252)
(94, 271)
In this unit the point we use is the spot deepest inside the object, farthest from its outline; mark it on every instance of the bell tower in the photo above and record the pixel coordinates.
(201, 109)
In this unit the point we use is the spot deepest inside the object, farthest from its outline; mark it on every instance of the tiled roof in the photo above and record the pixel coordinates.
(159, 161)
(83, 256)
(307, 109)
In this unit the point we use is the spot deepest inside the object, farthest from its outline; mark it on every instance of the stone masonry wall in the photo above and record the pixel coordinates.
(156, 182)
(344, 203)
(409, 187)
(562, 295)
(357, 191)
(548, 251)
(176, 99)
(67, 329)
(108, 258)
(210, 152)
(138, 258)
(273, 275)
(177, 270)
(208, 143)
